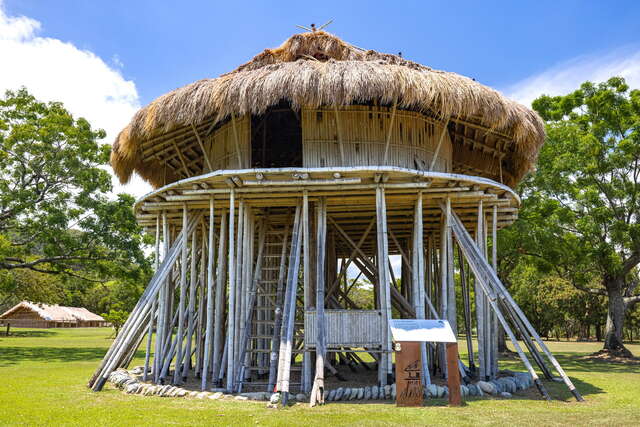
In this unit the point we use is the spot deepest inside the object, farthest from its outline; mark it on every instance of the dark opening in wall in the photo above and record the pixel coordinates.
(276, 138)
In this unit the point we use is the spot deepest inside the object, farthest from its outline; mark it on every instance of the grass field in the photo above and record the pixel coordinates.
(43, 375)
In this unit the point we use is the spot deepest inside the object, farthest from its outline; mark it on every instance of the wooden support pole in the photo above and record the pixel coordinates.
(183, 296)
(451, 296)
(443, 291)
(417, 281)
(221, 281)
(250, 307)
(244, 277)
(384, 284)
(154, 306)
(286, 341)
(209, 334)
(317, 392)
(202, 302)
(191, 309)
(238, 295)
(493, 320)
(453, 380)
(480, 301)
(277, 318)
(466, 302)
(231, 323)
(306, 271)
(161, 328)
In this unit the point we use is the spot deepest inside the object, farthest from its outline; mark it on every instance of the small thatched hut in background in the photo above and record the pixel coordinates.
(275, 180)
(37, 315)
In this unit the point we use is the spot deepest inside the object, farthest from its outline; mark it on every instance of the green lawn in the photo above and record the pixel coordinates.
(43, 375)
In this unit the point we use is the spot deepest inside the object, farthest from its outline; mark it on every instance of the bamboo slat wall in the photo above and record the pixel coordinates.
(356, 328)
(363, 132)
(222, 149)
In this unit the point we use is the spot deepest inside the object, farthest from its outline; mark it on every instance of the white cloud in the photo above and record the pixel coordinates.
(53, 70)
(568, 76)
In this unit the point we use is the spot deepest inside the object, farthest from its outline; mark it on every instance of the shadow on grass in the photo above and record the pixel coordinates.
(577, 362)
(28, 334)
(13, 355)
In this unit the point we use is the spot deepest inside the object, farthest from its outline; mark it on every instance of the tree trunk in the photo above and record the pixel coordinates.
(615, 318)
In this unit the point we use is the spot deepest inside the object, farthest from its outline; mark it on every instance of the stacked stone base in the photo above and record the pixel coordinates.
(509, 383)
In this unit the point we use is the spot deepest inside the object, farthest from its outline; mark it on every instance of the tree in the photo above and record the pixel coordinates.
(117, 318)
(581, 209)
(56, 213)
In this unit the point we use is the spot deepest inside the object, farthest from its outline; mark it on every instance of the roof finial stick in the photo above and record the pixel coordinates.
(322, 27)
(313, 28)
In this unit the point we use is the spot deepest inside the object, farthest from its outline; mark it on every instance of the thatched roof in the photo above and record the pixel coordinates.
(319, 69)
(56, 313)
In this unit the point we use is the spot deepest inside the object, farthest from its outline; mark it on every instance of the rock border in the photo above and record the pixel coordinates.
(510, 383)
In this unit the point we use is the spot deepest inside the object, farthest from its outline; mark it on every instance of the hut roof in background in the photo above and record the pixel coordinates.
(318, 69)
(55, 313)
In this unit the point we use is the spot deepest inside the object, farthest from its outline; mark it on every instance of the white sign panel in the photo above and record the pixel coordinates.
(433, 330)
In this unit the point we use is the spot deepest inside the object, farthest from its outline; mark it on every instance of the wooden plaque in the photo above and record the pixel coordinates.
(453, 378)
(409, 374)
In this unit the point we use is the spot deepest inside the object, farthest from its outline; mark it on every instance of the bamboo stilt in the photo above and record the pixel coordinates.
(218, 333)
(384, 283)
(209, 333)
(288, 319)
(277, 327)
(230, 348)
(306, 242)
(317, 392)
(191, 308)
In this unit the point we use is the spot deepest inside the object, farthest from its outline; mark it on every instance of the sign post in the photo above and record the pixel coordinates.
(408, 335)
(453, 377)
(409, 389)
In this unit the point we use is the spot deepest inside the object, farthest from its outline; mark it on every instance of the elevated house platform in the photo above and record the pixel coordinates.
(312, 165)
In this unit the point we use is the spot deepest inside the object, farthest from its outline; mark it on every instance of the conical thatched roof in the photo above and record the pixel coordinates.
(319, 69)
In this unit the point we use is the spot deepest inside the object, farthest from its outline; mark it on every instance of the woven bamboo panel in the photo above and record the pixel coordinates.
(363, 132)
(346, 328)
(222, 149)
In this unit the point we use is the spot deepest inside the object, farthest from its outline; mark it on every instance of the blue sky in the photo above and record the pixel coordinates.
(105, 59)
(162, 45)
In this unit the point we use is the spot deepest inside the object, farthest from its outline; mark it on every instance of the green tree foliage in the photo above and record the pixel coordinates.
(57, 215)
(116, 318)
(579, 219)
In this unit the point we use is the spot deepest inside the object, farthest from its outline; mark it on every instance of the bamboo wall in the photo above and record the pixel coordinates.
(221, 145)
(363, 132)
(355, 328)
